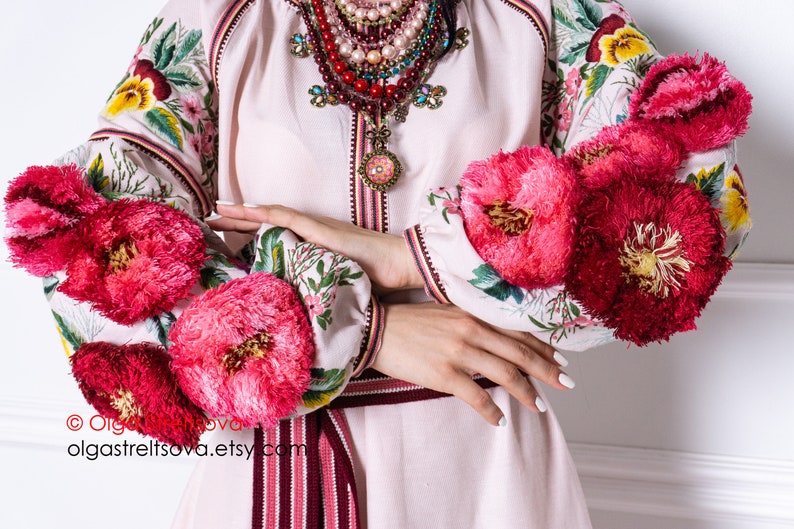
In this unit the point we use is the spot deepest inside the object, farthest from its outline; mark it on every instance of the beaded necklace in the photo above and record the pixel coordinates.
(372, 56)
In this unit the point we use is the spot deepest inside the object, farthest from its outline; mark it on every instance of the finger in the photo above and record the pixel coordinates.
(521, 355)
(544, 349)
(507, 375)
(231, 224)
(480, 400)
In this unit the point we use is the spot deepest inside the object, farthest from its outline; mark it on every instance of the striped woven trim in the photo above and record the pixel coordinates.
(223, 30)
(372, 337)
(368, 207)
(416, 244)
(373, 388)
(535, 16)
(173, 163)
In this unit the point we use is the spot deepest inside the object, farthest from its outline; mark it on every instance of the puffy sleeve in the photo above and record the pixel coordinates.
(161, 323)
(632, 208)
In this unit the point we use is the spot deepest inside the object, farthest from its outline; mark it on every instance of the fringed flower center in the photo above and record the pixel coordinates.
(123, 402)
(511, 220)
(120, 258)
(254, 347)
(655, 258)
(588, 157)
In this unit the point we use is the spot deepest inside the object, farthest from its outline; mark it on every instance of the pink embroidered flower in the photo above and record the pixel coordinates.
(697, 98)
(137, 258)
(518, 210)
(191, 106)
(452, 206)
(195, 142)
(244, 350)
(43, 206)
(641, 151)
(573, 81)
(648, 258)
(133, 384)
(564, 119)
(313, 305)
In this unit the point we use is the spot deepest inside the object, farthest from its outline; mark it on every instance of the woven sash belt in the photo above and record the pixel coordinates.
(315, 488)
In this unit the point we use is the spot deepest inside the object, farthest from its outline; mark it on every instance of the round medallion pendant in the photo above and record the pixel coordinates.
(380, 169)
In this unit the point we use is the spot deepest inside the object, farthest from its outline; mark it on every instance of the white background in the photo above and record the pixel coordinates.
(700, 430)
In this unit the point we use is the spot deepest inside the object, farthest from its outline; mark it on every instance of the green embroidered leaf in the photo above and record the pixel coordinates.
(183, 78)
(212, 277)
(574, 308)
(188, 126)
(589, 15)
(69, 333)
(271, 253)
(186, 46)
(312, 284)
(597, 79)
(156, 23)
(96, 174)
(50, 284)
(164, 124)
(489, 281)
(575, 47)
(539, 324)
(562, 17)
(328, 280)
(323, 386)
(709, 182)
(159, 326)
(163, 48)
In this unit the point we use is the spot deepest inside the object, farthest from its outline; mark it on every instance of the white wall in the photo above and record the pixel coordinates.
(694, 434)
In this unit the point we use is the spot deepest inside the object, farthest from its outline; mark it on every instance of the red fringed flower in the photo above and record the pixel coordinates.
(519, 212)
(648, 258)
(244, 350)
(134, 385)
(137, 258)
(43, 206)
(641, 151)
(697, 98)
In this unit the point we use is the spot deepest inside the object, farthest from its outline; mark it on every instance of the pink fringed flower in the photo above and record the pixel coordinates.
(643, 267)
(699, 100)
(640, 151)
(43, 206)
(134, 385)
(137, 258)
(244, 350)
(519, 213)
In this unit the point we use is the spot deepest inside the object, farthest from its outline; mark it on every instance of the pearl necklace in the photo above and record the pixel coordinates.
(373, 67)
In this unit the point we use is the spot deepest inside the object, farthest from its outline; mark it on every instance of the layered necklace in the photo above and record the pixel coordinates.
(374, 56)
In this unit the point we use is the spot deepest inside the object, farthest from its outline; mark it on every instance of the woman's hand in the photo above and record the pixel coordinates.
(385, 258)
(440, 347)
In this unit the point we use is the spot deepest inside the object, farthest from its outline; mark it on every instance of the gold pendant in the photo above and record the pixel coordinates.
(380, 169)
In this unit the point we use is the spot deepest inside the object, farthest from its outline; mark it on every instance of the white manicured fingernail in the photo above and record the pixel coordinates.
(214, 216)
(567, 381)
(249, 205)
(224, 203)
(540, 405)
(503, 421)
(560, 359)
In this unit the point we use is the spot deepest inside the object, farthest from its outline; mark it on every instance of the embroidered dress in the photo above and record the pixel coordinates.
(220, 103)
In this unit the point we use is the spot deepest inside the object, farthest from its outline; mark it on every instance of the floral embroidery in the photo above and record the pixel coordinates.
(318, 273)
(709, 181)
(449, 204)
(325, 383)
(564, 317)
(735, 213)
(487, 279)
(626, 43)
(164, 88)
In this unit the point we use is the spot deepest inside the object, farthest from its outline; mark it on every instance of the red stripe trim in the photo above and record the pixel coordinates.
(173, 163)
(368, 208)
(535, 15)
(416, 244)
(223, 30)
(370, 345)
(257, 513)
